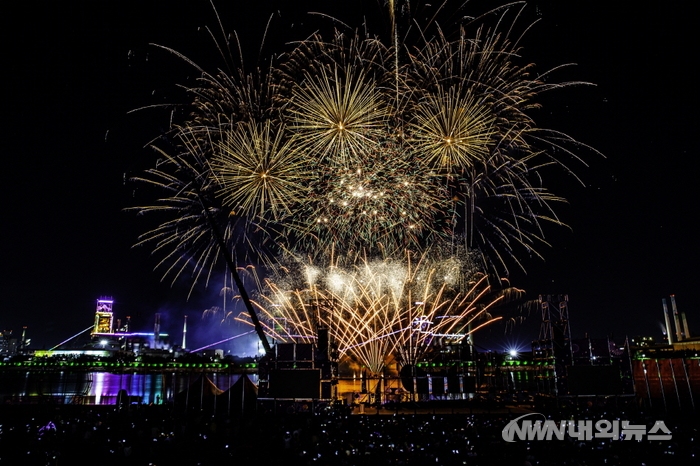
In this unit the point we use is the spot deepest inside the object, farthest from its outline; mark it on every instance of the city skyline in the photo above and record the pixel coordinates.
(73, 144)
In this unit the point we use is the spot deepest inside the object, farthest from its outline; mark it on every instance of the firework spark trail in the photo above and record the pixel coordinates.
(338, 115)
(260, 173)
(452, 130)
(375, 146)
(500, 167)
(387, 201)
(379, 310)
(186, 238)
(355, 153)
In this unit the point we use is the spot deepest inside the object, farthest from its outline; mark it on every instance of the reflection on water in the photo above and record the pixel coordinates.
(104, 387)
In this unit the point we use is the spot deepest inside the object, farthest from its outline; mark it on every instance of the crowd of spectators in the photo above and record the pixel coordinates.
(332, 435)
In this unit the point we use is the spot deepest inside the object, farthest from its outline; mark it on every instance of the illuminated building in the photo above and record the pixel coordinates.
(104, 318)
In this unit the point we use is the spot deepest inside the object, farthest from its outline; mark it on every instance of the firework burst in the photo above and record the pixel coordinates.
(375, 150)
(338, 115)
(383, 146)
(260, 174)
(185, 238)
(380, 310)
(452, 132)
(385, 204)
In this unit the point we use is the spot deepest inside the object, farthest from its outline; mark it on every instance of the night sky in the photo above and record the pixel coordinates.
(73, 71)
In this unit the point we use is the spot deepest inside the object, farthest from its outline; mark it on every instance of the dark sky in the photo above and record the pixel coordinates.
(74, 70)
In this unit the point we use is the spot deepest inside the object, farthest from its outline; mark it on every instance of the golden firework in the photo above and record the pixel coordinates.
(451, 130)
(366, 145)
(380, 310)
(337, 115)
(260, 173)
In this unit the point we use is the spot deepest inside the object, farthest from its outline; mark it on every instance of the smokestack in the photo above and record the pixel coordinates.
(685, 325)
(184, 334)
(156, 330)
(679, 332)
(686, 331)
(668, 322)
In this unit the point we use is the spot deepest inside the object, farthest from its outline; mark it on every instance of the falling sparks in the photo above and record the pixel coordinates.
(381, 310)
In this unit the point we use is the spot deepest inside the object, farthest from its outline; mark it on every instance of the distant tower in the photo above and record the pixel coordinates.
(156, 331)
(676, 320)
(184, 334)
(669, 333)
(553, 348)
(104, 318)
(23, 342)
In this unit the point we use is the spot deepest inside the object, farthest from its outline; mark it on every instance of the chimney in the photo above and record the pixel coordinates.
(668, 322)
(184, 334)
(679, 331)
(686, 331)
(156, 331)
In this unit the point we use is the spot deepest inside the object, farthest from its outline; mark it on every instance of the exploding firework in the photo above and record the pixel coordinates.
(379, 151)
(260, 174)
(381, 206)
(377, 311)
(375, 146)
(338, 115)
(185, 238)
